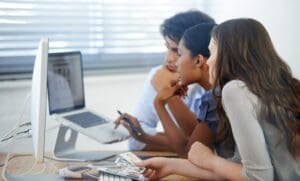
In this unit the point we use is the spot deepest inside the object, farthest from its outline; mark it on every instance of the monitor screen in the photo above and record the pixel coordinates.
(65, 82)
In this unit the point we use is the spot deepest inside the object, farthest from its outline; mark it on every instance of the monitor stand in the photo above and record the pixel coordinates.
(64, 148)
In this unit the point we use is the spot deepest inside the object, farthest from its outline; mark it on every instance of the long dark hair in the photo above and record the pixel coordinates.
(245, 52)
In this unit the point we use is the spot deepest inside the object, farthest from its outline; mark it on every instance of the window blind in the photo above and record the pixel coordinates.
(109, 33)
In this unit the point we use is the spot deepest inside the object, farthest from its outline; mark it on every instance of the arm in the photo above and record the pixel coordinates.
(240, 106)
(173, 133)
(201, 132)
(158, 142)
(185, 118)
(158, 168)
(238, 103)
(218, 165)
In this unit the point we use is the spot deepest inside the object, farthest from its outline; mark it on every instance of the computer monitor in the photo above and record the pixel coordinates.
(38, 99)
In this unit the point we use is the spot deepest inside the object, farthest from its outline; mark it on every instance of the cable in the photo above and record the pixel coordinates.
(15, 128)
(14, 135)
(21, 132)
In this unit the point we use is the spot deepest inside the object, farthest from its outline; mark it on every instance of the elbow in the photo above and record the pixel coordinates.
(181, 149)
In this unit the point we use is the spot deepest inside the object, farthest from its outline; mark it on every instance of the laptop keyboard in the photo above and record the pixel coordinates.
(86, 119)
(109, 177)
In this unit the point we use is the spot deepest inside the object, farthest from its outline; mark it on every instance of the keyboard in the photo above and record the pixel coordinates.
(86, 119)
(110, 177)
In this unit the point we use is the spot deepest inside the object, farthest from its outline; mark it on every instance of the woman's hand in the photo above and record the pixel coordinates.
(174, 89)
(162, 78)
(201, 156)
(156, 168)
(133, 126)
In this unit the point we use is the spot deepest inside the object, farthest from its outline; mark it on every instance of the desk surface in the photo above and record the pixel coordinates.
(24, 163)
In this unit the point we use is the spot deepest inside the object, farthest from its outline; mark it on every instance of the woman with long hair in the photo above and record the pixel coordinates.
(259, 109)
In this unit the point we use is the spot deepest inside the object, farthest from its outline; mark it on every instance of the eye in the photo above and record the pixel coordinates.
(174, 50)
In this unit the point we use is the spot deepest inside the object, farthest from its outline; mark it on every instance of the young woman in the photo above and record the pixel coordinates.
(193, 53)
(259, 110)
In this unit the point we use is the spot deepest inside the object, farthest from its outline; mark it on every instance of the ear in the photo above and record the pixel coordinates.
(200, 61)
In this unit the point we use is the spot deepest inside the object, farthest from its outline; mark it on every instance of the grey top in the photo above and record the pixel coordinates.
(263, 156)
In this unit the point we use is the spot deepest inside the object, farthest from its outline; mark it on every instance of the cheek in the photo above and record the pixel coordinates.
(211, 64)
(182, 70)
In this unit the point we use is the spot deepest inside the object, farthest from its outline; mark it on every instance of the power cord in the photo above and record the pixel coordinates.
(14, 129)
(28, 131)
(14, 132)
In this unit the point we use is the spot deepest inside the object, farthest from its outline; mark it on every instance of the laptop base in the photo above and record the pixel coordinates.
(64, 148)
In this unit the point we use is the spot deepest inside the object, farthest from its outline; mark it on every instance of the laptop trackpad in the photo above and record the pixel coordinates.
(86, 119)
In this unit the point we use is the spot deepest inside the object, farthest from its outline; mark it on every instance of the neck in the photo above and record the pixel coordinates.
(205, 84)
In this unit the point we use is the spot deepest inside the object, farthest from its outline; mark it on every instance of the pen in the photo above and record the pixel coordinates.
(132, 126)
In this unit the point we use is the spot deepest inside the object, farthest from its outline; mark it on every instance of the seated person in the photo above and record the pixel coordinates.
(259, 111)
(172, 30)
(192, 68)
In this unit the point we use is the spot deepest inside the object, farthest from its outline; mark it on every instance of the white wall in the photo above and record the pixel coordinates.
(280, 17)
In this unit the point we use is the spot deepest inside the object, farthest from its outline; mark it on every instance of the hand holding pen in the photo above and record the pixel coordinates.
(130, 123)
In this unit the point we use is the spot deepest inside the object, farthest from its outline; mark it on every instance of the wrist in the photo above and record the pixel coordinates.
(145, 138)
(159, 102)
(214, 163)
(172, 164)
(174, 99)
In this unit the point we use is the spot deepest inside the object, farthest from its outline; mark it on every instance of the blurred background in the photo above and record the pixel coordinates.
(120, 42)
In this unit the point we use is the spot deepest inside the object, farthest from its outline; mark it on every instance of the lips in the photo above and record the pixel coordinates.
(172, 68)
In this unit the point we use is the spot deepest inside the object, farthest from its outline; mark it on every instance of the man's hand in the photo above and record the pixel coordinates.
(134, 129)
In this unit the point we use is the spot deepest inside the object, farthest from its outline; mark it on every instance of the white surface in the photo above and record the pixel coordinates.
(39, 99)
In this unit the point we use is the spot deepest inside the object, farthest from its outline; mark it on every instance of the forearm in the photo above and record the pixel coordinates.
(154, 147)
(159, 140)
(176, 138)
(186, 168)
(185, 118)
(225, 168)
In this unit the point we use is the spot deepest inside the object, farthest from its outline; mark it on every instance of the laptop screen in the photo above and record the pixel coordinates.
(65, 82)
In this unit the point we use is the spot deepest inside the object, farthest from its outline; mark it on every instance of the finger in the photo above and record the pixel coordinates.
(145, 163)
(174, 82)
(148, 173)
(117, 123)
(126, 125)
(132, 119)
(153, 175)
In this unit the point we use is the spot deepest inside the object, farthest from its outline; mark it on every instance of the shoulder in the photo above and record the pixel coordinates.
(234, 89)
(235, 94)
(153, 70)
(232, 86)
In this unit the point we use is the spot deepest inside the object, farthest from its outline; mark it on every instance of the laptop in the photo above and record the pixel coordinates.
(67, 101)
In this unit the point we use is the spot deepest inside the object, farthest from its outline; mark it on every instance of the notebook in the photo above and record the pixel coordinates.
(67, 102)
